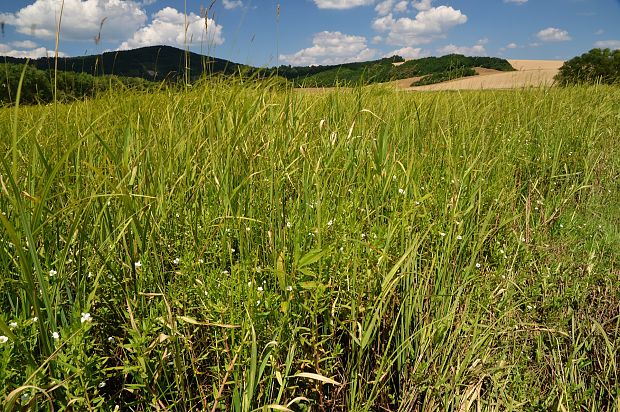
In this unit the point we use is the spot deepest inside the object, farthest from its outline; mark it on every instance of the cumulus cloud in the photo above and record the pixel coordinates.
(232, 4)
(427, 25)
(81, 19)
(512, 46)
(422, 4)
(331, 48)
(553, 34)
(168, 27)
(406, 52)
(475, 50)
(24, 44)
(608, 44)
(342, 4)
(32, 53)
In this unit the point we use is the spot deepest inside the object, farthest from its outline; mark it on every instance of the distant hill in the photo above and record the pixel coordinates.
(158, 63)
(152, 63)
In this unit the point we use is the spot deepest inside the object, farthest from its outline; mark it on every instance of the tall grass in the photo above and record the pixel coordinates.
(243, 247)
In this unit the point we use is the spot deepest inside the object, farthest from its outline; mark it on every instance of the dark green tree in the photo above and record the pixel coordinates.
(596, 66)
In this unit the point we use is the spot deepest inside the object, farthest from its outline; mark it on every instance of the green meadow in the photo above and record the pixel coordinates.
(249, 247)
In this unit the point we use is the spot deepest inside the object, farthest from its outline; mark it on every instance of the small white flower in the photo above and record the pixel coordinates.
(442, 234)
(561, 225)
(55, 335)
(101, 385)
(260, 289)
(258, 302)
(459, 237)
(394, 177)
(85, 317)
(90, 275)
(177, 215)
(478, 265)
(417, 203)
(176, 261)
(289, 288)
(331, 222)
(53, 272)
(13, 325)
(289, 224)
(3, 339)
(247, 228)
(35, 319)
(201, 261)
(137, 265)
(401, 191)
(111, 339)
(250, 284)
(529, 307)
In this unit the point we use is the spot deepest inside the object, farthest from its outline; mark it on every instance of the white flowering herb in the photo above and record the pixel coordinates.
(176, 261)
(13, 325)
(478, 265)
(137, 265)
(289, 288)
(3, 339)
(55, 335)
(53, 272)
(85, 317)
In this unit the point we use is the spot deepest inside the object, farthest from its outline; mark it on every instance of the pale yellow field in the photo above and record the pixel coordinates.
(530, 73)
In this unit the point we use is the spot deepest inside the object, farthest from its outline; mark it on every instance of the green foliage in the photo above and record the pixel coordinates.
(38, 85)
(598, 66)
(444, 76)
(430, 65)
(246, 246)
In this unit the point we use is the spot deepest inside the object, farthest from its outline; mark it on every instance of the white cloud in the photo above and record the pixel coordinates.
(427, 25)
(168, 27)
(384, 7)
(608, 44)
(391, 6)
(232, 4)
(81, 19)
(342, 4)
(24, 44)
(376, 40)
(406, 52)
(516, 1)
(331, 48)
(422, 4)
(599, 32)
(475, 50)
(33, 53)
(512, 45)
(553, 34)
(401, 7)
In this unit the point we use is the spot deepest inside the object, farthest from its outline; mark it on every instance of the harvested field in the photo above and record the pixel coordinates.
(530, 73)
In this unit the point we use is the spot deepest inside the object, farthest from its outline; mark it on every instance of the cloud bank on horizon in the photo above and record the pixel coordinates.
(311, 32)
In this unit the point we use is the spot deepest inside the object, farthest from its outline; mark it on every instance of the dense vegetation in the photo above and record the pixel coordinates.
(445, 76)
(159, 63)
(38, 85)
(247, 248)
(598, 66)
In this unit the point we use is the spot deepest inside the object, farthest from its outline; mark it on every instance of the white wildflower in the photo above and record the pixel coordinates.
(289, 288)
(55, 335)
(137, 265)
(176, 261)
(13, 325)
(53, 272)
(85, 317)
(3, 339)
(478, 265)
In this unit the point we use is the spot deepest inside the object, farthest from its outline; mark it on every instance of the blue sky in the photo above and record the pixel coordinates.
(306, 32)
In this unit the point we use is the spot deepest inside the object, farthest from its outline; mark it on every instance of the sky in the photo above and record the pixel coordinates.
(266, 33)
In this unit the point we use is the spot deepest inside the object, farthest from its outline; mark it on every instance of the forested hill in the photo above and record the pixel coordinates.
(158, 63)
(153, 63)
